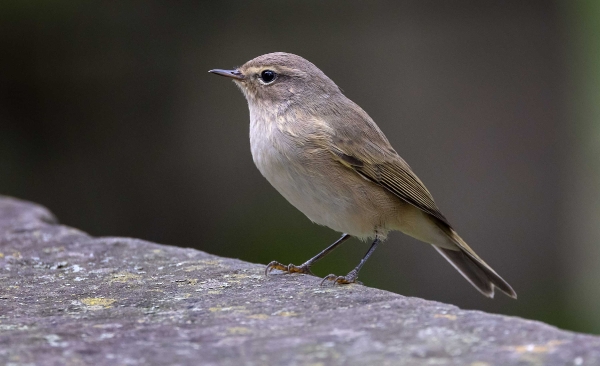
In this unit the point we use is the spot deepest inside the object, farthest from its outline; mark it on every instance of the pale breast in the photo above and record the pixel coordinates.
(310, 179)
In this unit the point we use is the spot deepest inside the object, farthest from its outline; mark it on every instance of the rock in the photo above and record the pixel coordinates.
(67, 298)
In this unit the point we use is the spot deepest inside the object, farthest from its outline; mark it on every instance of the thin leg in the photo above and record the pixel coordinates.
(353, 275)
(305, 267)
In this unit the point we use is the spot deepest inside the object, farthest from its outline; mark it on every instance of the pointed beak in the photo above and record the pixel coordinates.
(234, 74)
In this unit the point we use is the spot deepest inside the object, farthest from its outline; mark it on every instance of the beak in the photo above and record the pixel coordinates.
(234, 74)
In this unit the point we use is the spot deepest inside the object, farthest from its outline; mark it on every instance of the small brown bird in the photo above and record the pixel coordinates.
(329, 159)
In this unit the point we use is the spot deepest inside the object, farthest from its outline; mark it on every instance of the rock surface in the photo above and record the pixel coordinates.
(67, 298)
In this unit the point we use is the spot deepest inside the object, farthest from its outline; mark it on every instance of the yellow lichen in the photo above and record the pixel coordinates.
(124, 277)
(97, 302)
(286, 313)
(238, 330)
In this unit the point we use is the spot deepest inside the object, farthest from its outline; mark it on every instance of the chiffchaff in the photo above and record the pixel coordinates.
(328, 158)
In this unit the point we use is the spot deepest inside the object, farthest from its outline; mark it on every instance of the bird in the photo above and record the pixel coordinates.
(330, 160)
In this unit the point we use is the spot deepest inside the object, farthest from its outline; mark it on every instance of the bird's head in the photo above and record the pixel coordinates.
(280, 78)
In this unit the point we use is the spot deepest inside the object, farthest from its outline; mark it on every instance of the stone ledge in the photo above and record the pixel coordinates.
(68, 298)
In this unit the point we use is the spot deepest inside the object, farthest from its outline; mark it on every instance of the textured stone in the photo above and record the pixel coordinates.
(67, 298)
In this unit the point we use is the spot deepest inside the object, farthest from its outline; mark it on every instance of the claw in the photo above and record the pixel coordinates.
(274, 265)
(290, 268)
(330, 277)
(341, 280)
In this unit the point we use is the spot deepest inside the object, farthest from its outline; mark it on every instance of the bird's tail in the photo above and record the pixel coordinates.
(473, 268)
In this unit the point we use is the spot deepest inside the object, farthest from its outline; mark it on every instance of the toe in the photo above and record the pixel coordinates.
(274, 265)
(299, 269)
(330, 277)
(340, 280)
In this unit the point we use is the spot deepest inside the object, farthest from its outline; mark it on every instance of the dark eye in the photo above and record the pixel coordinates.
(268, 76)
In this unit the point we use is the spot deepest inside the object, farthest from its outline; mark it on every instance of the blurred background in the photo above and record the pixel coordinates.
(109, 118)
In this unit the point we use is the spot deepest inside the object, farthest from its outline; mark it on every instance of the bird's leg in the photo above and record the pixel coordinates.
(305, 267)
(353, 275)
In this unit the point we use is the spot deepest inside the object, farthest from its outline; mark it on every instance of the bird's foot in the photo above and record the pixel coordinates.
(342, 280)
(290, 268)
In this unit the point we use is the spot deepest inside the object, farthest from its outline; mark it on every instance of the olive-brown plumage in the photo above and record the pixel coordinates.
(328, 158)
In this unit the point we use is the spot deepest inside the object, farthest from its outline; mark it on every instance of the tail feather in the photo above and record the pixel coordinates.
(482, 277)
(474, 269)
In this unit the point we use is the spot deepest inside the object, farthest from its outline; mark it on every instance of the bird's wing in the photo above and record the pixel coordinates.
(367, 151)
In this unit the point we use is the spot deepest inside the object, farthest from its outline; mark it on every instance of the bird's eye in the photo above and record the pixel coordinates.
(268, 76)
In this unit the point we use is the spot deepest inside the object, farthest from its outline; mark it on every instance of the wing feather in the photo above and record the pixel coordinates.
(399, 180)
(364, 149)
